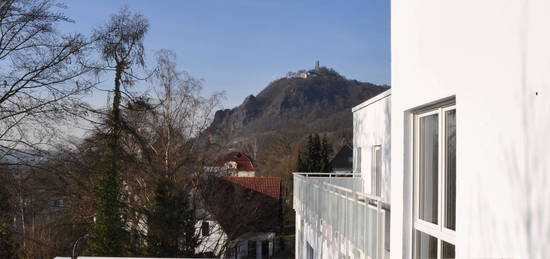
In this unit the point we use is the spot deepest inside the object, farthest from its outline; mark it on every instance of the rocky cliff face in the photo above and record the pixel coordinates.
(322, 101)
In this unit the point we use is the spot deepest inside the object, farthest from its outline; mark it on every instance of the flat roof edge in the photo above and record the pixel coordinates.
(372, 100)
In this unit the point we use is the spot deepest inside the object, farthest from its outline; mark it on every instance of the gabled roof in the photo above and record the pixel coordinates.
(244, 162)
(343, 159)
(268, 185)
(244, 204)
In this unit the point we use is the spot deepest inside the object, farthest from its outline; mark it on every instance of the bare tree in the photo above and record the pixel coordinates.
(182, 114)
(164, 137)
(42, 75)
(165, 131)
(120, 43)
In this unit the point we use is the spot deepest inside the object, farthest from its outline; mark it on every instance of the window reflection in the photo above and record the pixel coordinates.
(426, 246)
(450, 169)
(428, 177)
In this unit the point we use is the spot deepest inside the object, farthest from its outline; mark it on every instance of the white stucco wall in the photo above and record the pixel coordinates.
(246, 173)
(494, 56)
(371, 126)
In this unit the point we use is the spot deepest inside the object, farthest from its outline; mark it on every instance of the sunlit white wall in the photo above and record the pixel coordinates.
(494, 56)
(371, 126)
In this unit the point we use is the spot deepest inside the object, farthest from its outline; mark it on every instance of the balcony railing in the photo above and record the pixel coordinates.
(335, 207)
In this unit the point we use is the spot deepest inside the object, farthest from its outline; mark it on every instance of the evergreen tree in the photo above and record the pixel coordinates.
(314, 157)
(108, 234)
(171, 223)
(325, 151)
(301, 164)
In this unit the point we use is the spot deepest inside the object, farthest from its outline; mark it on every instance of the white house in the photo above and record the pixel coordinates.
(211, 236)
(470, 133)
(371, 142)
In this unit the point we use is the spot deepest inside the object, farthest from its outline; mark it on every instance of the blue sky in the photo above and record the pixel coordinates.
(239, 46)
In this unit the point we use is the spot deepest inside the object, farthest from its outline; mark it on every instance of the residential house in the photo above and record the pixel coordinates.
(238, 164)
(468, 122)
(248, 210)
(211, 235)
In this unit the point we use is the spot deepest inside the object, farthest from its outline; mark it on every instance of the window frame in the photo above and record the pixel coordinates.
(443, 169)
(357, 164)
(376, 171)
(438, 231)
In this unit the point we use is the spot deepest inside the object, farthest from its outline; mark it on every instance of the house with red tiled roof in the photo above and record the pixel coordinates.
(248, 209)
(238, 164)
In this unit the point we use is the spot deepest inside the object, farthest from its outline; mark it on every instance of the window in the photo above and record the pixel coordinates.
(358, 160)
(376, 170)
(435, 183)
(59, 203)
(251, 248)
(205, 228)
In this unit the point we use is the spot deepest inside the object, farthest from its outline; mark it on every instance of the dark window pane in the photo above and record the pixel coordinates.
(450, 169)
(205, 228)
(387, 229)
(428, 165)
(447, 250)
(426, 246)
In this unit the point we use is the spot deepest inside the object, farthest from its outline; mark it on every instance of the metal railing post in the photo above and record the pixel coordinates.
(346, 222)
(378, 241)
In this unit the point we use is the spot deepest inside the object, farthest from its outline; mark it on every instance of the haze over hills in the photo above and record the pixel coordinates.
(318, 100)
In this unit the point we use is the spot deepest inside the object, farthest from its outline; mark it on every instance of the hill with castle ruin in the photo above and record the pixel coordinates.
(317, 100)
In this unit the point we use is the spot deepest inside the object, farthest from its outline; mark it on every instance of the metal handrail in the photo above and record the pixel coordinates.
(323, 173)
(330, 185)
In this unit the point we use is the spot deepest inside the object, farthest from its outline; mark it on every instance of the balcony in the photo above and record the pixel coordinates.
(339, 218)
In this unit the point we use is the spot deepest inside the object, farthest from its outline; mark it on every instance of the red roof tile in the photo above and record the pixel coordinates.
(269, 185)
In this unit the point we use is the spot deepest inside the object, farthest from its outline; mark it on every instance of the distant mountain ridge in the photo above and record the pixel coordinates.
(320, 99)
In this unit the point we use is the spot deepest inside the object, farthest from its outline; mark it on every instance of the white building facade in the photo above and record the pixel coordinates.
(348, 215)
(491, 61)
(470, 132)
(372, 144)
